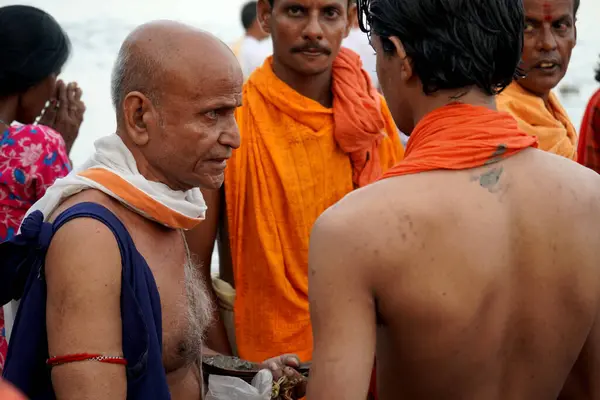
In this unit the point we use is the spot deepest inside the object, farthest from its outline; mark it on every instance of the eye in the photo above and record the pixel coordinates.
(562, 26)
(331, 12)
(212, 114)
(529, 27)
(295, 11)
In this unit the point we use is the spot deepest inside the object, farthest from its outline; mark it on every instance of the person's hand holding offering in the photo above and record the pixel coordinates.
(290, 383)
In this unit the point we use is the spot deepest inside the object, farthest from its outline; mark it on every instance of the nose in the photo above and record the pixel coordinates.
(313, 30)
(230, 135)
(547, 41)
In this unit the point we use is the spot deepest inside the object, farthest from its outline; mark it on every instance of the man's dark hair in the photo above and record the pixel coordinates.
(576, 4)
(453, 44)
(33, 47)
(598, 73)
(249, 14)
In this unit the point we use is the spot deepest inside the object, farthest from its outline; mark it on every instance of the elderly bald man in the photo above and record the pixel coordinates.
(119, 305)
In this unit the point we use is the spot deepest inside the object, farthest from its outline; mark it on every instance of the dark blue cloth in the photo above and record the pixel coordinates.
(22, 277)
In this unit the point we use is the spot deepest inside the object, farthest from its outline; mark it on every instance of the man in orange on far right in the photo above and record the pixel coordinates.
(550, 36)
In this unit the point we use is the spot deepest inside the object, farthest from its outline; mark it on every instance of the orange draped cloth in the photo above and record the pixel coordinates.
(296, 159)
(461, 136)
(548, 122)
(588, 151)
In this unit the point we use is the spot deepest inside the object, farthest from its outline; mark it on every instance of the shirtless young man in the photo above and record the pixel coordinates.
(472, 269)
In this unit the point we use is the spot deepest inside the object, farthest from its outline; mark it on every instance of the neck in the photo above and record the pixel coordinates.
(440, 99)
(544, 96)
(8, 110)
(315, 87)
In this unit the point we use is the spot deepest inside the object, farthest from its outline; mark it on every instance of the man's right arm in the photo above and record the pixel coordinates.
(83, 310)
(201, 241)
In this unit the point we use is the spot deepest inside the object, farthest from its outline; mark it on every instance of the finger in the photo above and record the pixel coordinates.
(49, 114)
(71, 90)
(290, 359)
(81, 110)
(59, 83)
(275, 370)
(63, 101)
(291, 373)
(294, 376)
(300, 389)
(78, 93)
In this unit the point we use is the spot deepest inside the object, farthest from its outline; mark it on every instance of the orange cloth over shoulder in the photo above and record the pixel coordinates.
(296, 159)
(588, 150)
(552, 127)
(461, 136)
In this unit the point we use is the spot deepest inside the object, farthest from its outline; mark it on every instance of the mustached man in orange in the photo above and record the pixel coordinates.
(313, 129)
(471, 270)
(550, 36)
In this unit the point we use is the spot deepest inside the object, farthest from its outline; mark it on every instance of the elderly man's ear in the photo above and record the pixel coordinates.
(138, 115)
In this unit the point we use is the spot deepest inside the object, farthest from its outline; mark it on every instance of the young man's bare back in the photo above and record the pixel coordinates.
(471, 269)
(486, 281)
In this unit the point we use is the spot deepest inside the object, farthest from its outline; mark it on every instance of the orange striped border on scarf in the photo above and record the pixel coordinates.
(139, 200)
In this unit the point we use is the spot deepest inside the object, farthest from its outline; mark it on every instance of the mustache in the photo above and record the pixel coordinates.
(220, 157)
(311, 47)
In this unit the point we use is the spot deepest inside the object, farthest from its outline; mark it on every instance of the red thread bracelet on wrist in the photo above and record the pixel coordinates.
(53, 361)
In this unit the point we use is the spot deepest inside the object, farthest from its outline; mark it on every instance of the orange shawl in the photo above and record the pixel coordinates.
(461, 136)
(292, 165)
(552, 127)
(588, 151)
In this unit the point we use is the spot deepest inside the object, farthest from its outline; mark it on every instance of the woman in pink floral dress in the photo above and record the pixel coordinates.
(33, 51)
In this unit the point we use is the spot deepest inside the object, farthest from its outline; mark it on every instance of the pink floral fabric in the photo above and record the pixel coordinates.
(32, 157)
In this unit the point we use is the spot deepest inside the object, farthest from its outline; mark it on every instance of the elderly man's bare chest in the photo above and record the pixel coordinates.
(166, 254)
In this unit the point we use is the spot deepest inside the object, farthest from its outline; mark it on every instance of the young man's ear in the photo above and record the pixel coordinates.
(352, 18)
(394, 45)
(263, 14)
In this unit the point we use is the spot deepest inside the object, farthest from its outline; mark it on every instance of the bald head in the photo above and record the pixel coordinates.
(159, 54)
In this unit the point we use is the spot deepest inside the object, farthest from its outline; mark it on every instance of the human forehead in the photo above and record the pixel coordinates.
(312, 3)
(213, 86)
(548, 9)
(222, 89)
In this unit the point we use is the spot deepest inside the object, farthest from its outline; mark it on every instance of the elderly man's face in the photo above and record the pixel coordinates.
(198, 132)
(550, 36)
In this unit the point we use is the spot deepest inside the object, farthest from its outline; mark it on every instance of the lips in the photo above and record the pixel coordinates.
(313, 52)
(547, 65)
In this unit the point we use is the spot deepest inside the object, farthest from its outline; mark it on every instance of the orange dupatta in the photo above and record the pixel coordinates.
(461, 136)
(552, 126)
